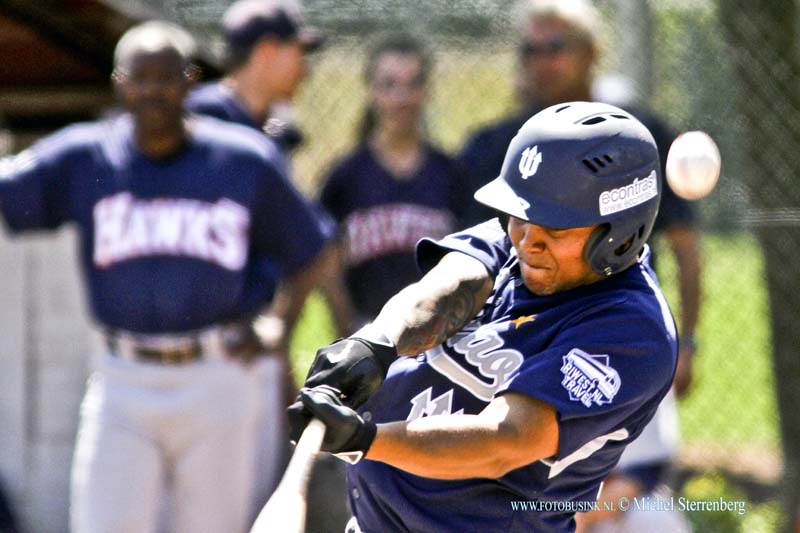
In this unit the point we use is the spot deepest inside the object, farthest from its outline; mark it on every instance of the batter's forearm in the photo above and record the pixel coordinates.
(430, 311)
(441, 447)
(512, 431)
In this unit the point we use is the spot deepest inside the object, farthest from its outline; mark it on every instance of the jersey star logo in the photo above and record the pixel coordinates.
(523, 319)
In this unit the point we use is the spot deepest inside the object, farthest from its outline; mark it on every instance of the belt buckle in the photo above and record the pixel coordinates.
(173, 356)
(176, 356)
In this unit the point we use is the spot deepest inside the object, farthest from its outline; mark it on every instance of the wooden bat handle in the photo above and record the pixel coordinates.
(286, 509)
(307, 448)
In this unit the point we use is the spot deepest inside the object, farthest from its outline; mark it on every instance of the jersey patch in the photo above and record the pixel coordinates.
(588, 378)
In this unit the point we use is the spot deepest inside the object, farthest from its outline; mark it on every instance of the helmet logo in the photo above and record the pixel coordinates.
(529, 163)
(635, 193)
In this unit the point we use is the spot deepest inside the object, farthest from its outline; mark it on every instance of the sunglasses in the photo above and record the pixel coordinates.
(551, 47)
(391, 84)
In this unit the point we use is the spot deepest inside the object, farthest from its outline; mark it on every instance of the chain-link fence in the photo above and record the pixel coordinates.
(727, 67)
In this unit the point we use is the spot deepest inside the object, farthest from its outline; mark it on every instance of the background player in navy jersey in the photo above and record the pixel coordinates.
(171, 211)
(266, 46)
(533, 354)
(393, 189)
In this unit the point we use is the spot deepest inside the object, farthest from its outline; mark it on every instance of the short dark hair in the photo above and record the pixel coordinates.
(393, 43)
(247, 22)
(400, 43)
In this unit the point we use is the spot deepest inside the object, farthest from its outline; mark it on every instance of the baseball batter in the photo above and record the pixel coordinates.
(535, 352)
(171, 212)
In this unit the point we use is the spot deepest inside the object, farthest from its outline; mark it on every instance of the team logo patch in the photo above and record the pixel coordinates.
(635, 193)
(588, 378)
(529, 162)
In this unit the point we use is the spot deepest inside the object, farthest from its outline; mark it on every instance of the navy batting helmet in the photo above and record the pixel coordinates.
(580, 164)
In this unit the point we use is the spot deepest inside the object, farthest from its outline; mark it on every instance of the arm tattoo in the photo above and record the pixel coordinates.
(430, 311)
(437, 316)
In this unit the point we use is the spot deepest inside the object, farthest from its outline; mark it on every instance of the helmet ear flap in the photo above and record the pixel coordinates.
(592, 249)
(606, 261)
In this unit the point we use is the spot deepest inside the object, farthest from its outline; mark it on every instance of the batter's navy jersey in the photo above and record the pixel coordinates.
(382, 217)
(603, 355)
(166, 246)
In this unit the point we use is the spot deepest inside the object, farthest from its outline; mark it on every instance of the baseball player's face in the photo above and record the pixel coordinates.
(152, 87)
(556, 65)
(551, 260)
(398, 90)
(288, 66)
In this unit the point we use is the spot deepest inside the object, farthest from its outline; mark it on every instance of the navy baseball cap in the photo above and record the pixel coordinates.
(248, 21)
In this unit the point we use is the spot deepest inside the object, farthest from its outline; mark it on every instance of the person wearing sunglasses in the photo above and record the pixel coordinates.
(557, 52)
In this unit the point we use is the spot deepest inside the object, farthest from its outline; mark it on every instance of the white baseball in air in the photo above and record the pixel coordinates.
(693, 165)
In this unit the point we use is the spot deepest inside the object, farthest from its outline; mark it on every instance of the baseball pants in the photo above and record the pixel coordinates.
(149, 428)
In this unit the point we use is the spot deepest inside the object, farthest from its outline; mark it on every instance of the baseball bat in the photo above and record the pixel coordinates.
(285, 511)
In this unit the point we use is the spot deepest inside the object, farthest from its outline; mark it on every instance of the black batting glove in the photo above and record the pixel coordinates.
(356, 366)
(346, 434)
(299, 417)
